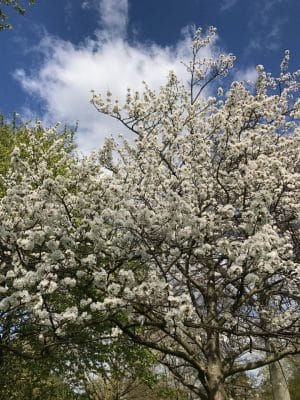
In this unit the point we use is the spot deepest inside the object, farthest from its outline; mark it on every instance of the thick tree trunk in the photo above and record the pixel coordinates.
(280, 389)
(215, 375)
(218, 393)
(216, 382)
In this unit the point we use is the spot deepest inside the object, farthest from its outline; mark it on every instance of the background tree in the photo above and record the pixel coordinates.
(131, 374)
(294, 377)
(15, 5)
(33, 379)
(291, 370)
(25, 367)
(14, 133)
(279, 383)
(7, 143)
(242, 387)
(13, 317)
(39, 356)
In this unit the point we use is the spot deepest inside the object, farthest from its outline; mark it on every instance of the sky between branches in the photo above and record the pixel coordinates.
(61, 49)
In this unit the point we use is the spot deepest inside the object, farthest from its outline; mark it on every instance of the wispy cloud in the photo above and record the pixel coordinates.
(273, 39)
(114, 16)
(266, 25)
(227, 4)
(64, 80)
(86, 5)
(266, 22)
(68, 12)
(265, 10)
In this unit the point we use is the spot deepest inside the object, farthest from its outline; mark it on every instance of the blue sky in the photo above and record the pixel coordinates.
(61, 49)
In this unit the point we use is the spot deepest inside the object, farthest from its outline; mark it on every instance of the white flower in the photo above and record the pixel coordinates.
(57, 255)
(3, 289)
(116, 332)
(100, 277)
(26, 244)
(251, 278)
(90, 260)
(97, 306)
(69, 281)
(114, 289)
(70, 314)
(47, 286)
(235, 269)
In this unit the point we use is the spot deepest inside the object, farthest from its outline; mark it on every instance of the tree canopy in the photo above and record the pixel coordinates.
(184, 237)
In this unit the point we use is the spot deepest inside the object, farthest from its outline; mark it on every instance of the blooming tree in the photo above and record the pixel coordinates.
(39, 307)
(19, 334)
(208, 199)
(184, 237)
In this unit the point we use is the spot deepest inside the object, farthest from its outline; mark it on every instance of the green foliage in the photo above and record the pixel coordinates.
(291, 368)
(16, 134)
(7, 139)
(242, 387)
(165, 391)
(16, 6)
(294, 379)
(24, 379)
(132, 388)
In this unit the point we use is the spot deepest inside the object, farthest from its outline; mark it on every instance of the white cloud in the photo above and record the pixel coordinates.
(65, 80)
(68, 73)
(249, 74)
